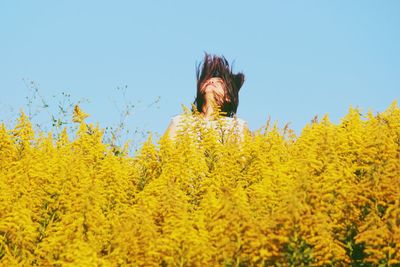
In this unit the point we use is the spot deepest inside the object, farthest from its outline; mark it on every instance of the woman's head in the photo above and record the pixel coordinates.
(214, 76)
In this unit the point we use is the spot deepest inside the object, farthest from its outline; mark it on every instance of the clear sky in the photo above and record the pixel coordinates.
(300, 58)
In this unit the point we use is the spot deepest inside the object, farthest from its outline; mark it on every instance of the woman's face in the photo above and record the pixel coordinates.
(215, 86)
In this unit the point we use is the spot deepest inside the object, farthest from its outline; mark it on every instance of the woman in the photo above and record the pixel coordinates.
(217, 95)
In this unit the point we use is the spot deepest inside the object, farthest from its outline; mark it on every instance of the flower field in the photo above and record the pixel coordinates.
(328, 197)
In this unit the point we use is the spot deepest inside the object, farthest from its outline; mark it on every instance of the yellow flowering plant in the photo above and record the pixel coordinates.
(327, 197)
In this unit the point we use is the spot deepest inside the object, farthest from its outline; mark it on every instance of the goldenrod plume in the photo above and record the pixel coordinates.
(79, 115)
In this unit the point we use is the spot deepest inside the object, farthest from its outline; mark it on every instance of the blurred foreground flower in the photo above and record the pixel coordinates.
(79, 115)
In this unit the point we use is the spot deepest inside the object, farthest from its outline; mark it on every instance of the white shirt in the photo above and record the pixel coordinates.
(223, 125)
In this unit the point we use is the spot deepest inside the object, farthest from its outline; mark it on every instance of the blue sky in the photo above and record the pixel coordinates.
(300, 58)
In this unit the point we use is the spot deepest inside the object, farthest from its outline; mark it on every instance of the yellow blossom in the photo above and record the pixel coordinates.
(79, 115)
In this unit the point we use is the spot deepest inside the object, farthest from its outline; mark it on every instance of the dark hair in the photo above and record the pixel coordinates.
(215, 66)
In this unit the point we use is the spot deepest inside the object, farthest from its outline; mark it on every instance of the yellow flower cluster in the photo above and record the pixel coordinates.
(328, 197)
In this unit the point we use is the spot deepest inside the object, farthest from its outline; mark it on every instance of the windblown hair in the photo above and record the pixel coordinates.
(215, 66)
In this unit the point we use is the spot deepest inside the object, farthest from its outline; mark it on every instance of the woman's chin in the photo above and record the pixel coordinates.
(209, 90)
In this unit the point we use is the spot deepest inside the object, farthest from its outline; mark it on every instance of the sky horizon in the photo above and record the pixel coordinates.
(300, 58)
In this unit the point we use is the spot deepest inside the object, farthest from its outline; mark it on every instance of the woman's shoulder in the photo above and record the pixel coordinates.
(181, 119)
(177, 118)
(235, 119)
